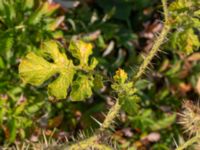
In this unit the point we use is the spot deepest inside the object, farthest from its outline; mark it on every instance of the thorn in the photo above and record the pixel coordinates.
(73, 139)
(45, 139)
(100, 124)
(66, 139)
(157, 56)
(103, 114)
(175, 142)
(111, 128)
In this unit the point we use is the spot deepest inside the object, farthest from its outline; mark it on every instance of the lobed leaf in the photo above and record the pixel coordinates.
(36, 70)
(81, 51)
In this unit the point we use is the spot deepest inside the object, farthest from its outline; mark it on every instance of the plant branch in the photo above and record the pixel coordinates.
(158, 42)
(165, 10)
(105, 125)
(113, 112)
(189, 143)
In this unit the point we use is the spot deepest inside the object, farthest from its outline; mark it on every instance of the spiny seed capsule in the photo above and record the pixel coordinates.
(190, 118)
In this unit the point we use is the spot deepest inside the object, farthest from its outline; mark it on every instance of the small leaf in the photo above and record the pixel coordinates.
(81, 88)
(12, 130)
(142, 84)
(37, 15)
(120, 76)
(6, 45)
(54, 24)
(28, 4)
(163, 123)
(2, 64)
(81, 51)
(52, 7)
(130, 104)
(35, 107)
(93, 63)
(20, 108)
(98, 81)
(143, 120)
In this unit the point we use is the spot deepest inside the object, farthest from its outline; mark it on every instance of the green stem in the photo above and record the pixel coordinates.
(113, 112)
(165, 10)
(189, 143)
(84, 144)
(158, 42)
(90, 142)
(152, 53)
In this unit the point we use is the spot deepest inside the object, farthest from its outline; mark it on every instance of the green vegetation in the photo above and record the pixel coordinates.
(93, 75)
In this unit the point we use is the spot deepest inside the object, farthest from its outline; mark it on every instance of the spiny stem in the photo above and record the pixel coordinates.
(91, 142)
(189, 143)
(165, 10)
(84, 144)
(158, 42)
(110, 116)
(152, 53)
(105, 125)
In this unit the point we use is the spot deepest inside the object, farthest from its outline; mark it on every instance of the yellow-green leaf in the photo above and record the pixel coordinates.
(81, 88)
(35, 70)
(81, 51)
(54, 24)
(59, 87)
(120, 76)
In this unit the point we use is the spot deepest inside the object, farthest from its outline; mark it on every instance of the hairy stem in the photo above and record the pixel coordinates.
(110, 116)
(158, 42)
(189, 143)
(165, 10)
(84, 144)
(89, 142)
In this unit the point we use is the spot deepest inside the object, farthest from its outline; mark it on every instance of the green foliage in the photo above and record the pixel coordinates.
(82, 51)
(29, 35)
(22, 27)
(145, 121)
(35, 69)
(126, 93)
(15, 116)
(120, 9)
(186, 22)
(81, 88)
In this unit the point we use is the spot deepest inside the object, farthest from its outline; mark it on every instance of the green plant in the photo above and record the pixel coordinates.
(24, 24)
(15, 114)
(32, 63)
(41, 70)
(185, 19)
(33, 29)
(78, 74)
